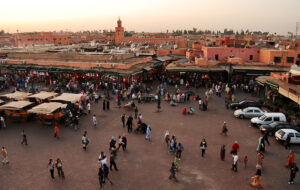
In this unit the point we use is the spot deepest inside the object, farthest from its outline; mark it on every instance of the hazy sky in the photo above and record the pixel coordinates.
(149, 15)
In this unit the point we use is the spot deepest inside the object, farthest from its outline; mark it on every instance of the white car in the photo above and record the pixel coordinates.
(282, 134)
(267, 118)
(249, 112)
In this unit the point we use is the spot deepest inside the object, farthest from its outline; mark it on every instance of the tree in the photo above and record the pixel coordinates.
(194, 30)
(2, 32)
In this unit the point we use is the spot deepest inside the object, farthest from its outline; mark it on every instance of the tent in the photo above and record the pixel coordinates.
(16, 95)
(47, 108)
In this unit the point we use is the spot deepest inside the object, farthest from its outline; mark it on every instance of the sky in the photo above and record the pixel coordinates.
(278, 16)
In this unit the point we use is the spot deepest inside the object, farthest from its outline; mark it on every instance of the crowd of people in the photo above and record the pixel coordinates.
(130, 93)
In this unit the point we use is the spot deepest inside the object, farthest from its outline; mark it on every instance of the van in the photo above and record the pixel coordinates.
(268, 118)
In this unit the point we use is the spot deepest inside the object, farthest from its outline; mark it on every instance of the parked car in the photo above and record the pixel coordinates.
(249, 112)
(267, 118)
(282, 134)
(246, 103)
(275, 126)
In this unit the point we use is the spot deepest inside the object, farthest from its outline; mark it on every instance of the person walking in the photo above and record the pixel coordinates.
(167, 138)
(294, 170)
(203, 146)
(123, 119)
(173, 145)
(24, 137)
(101, 176)
(51, 168)
(106, 172)
(235, 147)
(124, 140)
(94, 119)
(85, 141)
(56, 132)
(89, 107)
(112, 162)
(235, 160)
(291, 160)
(224, 129)
(4, 155)
(107, 104)
(148, 136)
(288, 142)
(129, 124)
(260, 158)
(58, 165)
(104, 104)
(136, 111)
(179, 150)
(245, 160)
(173, 172)
(222, 152)
(2, 120)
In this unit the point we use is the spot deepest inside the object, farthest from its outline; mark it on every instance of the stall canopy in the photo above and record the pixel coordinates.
(44, 95)
(47, 108)
(16, 95)
(67, 97)
(18, 105)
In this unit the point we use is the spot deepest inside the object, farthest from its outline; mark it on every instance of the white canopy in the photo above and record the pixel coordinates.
(43, 95)
(67, 97)
(47, 108)
(16, 95)
(18, 105)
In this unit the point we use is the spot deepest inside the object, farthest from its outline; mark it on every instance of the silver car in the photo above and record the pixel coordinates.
(249, 112)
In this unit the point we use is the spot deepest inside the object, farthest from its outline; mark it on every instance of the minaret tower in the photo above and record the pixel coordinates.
(119, 34)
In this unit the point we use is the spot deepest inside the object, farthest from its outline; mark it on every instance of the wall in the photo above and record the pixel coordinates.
(267, 56)
(224, 53)
(41, 39)
(205, 62)
(163, 52)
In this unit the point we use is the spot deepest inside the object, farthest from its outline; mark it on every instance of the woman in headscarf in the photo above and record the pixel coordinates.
(148, 136)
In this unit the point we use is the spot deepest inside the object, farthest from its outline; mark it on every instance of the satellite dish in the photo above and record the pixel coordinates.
(287, 47)
(276, 46)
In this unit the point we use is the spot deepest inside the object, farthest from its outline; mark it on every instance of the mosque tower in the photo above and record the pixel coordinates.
(119, 34)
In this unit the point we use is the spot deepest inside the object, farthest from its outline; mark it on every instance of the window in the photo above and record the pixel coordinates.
(256, 111)
(298, 135)
(250, 111)
(251, 57)
(268, 119)
(298, 56)
(217, 57)
(291, 135)
(290, 59)
(276, 119)
(277, 59)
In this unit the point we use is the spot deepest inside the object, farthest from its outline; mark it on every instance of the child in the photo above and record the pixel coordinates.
(245, 161)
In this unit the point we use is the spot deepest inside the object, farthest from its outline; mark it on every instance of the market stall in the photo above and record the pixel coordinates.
(17, 110)
(41, 97)
(48, 113)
